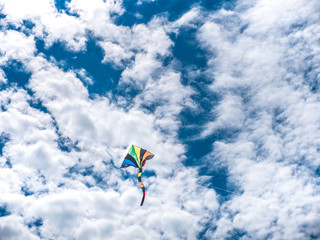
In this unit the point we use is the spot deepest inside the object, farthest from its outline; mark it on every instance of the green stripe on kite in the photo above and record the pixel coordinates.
(134, 155)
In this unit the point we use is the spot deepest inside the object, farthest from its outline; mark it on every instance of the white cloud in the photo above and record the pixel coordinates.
(279, 16)
(260, 60)
(257, 69)
(95, 10)
(229, 115)
(84, 76)
(18, 10)
(43, 182)
(72, 211)
(15, 46)
(153, 44)
(12, 227)
(55, 25)
(115, 53)
(49, 24)
(3, 78)
(139, 2)
(189, 19)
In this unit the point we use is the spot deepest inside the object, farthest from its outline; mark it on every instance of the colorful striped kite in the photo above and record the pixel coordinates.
(137, 157)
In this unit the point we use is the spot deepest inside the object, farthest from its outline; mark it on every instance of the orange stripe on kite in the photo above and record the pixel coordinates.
(147, 154)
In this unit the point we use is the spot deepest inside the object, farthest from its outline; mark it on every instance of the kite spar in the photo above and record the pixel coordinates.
(137, 158)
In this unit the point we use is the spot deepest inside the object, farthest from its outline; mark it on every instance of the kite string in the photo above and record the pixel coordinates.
(238, 194)
(225, 190)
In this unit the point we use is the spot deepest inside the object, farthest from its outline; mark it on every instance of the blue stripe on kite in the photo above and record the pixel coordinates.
(126, 161)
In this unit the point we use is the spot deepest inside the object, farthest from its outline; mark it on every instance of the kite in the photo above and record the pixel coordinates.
(137, 158)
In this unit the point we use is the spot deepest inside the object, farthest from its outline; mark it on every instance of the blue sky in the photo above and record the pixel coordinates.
(224, 93)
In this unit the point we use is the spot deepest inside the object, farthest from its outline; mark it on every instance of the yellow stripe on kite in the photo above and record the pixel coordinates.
(137, 150)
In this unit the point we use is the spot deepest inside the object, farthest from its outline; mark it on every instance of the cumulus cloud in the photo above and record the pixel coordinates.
(59, 164)
(274, 156)
(12, 227)
(61, 146)
(15, 46)
(47, 22)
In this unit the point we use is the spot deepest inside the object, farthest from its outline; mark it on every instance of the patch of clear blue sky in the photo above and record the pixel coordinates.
(35, 224)
(105, 77)
(15, 75)
(61, 5)
(4, 211)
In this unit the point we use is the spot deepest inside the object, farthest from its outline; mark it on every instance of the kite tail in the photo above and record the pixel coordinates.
(141, 185)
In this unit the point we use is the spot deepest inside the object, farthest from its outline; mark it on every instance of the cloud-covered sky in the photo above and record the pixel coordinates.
(226, 94)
